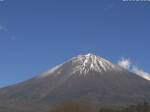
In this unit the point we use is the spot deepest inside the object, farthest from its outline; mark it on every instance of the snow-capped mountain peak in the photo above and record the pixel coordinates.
(83, 64)
(91, 62)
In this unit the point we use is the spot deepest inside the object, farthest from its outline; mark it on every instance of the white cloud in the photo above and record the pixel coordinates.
(141, 73)
(124, 63)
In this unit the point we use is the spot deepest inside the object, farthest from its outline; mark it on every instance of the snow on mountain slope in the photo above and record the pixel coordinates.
(82, 64)
(90, 62)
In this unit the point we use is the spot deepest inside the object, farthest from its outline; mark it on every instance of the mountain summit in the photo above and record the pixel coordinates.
(83, 64)
(90, 62)
(85, 78)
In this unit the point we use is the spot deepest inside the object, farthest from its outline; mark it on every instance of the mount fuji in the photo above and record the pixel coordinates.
(85, 78)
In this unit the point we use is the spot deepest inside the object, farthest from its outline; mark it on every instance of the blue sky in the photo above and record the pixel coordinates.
(36, 35)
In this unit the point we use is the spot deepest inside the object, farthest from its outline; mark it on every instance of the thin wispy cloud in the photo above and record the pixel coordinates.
(13, 38)
(2, 0)
(2, 28)
(109, 6)
(127, 64)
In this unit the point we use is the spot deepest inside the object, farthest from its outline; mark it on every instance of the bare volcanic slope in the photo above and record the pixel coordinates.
(87, 78)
